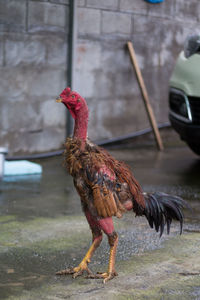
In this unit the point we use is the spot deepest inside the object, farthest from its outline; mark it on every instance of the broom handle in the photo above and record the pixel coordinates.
(145, 96)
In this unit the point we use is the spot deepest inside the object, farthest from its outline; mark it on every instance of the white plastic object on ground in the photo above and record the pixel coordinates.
(21, 167)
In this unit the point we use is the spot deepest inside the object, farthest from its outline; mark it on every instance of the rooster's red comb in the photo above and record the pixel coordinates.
(67, 91)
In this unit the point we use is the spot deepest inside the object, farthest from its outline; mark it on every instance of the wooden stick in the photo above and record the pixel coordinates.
(145, 96)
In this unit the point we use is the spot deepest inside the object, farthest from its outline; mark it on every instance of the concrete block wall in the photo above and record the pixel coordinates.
(104, 74)
(33, 65)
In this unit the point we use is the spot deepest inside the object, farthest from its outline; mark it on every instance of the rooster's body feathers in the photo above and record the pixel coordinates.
(106, 186)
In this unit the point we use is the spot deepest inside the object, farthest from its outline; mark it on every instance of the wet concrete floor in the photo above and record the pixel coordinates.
(42, 230)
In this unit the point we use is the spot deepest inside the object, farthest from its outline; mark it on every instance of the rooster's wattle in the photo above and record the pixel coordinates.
(108, 188)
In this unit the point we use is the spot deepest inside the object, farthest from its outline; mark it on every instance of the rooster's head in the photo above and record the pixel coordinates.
(72, 100)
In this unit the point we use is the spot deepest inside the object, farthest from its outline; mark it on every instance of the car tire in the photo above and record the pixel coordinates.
(194, 147)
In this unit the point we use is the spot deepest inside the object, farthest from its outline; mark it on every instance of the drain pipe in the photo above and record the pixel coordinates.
(106, 142)
(71, 56)
(3, 152)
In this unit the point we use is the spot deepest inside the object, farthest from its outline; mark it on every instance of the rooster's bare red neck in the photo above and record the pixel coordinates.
(81, 124)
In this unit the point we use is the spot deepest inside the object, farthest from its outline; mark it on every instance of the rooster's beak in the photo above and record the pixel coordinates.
(58, 99)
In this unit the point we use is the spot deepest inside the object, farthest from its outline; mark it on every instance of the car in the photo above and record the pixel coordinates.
(184, 94)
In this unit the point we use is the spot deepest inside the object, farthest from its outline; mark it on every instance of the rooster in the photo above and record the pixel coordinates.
(107, 188)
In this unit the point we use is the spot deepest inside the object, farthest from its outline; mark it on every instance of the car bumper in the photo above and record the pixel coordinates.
(187, 131)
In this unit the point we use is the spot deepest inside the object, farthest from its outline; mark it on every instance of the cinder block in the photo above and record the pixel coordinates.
(145, 31)
(56, 51)
(157, 83)
(187, 10)
(50, 138)
(180, 34)
(147, 52)
(21, 116)
(145, 25)
(24, 49)
(116, 23)
(107, 4)
(164, 49)
(15, 78)
(46, 82)
(107, 116)
(35, 81)
(81, 2)
(45, 16)
(88, 55)
(88, 62)
(133, 6)
(163, 9)
(12, 15)
(38, 141)
(167, 46)
(115, 77)
(52, 114)
(89, 21)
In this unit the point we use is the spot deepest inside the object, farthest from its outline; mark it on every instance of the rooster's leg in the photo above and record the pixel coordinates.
(106, 224)
(111, 273)
(83, 266)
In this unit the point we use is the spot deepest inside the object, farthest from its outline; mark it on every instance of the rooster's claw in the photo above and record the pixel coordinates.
(65, 272)
(105, 276)
(77, 271)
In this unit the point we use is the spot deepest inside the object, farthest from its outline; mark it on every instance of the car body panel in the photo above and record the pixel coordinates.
(186, 75)
(184, 92)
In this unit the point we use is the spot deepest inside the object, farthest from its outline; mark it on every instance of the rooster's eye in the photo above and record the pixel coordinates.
(73, 96)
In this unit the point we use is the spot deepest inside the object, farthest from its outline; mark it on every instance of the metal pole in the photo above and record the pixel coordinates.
(71, 55)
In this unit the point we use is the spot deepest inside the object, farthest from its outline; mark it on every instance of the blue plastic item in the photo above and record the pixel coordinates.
(21, 167)
(154, 1)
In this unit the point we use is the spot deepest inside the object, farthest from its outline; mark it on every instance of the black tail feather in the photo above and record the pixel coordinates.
(161, 209)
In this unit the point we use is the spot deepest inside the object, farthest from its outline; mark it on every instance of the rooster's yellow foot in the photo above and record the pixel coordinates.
(105, 276)
(77, 271)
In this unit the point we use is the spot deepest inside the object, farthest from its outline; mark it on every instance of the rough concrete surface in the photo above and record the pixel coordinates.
(43, 230)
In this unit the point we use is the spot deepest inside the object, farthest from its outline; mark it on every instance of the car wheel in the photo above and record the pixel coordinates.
(194, 147)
